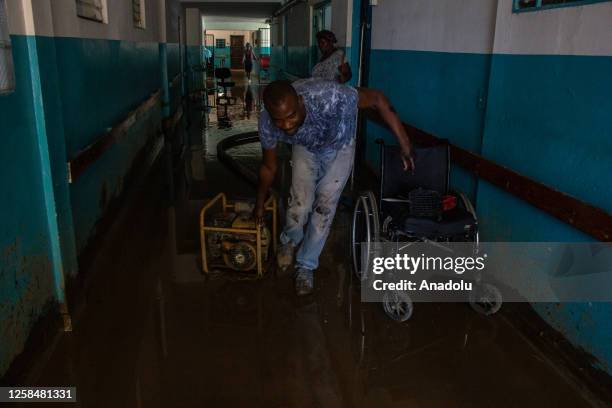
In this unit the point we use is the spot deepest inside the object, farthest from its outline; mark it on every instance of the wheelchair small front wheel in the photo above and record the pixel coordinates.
(398, 305)
(486, 299)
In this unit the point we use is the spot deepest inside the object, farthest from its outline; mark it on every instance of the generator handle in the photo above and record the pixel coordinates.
(271, 205)
(212, 202)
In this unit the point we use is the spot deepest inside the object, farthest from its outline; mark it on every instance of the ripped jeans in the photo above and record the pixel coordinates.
(317, 183)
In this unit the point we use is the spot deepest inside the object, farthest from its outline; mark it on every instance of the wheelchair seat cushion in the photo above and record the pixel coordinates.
(455, 222)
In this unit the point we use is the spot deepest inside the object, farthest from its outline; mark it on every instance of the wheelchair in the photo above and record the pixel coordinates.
(394, 218)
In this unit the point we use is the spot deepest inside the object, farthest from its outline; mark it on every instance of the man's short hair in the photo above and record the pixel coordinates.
(277, 92)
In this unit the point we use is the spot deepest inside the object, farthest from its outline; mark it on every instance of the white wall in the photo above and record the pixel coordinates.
(485, 26)
(341, 20)
(193, 31)
(299, 26)
(235, 26)
(583, 30)
(465, 26)
(299, 32)
(227, 33)
(58, 18)
(276, 32)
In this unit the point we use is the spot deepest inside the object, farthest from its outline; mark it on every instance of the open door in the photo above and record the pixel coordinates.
(236, 51)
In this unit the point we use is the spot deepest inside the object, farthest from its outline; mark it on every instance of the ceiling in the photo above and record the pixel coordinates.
(254, 9)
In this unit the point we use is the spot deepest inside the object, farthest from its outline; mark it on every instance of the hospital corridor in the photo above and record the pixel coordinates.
(306, 203)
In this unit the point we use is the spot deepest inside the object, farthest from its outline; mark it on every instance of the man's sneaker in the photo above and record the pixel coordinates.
(284, 256)
(304, 282)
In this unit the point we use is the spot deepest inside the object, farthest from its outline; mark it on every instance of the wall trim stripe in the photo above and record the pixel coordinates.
(579, 214)
(91, 153)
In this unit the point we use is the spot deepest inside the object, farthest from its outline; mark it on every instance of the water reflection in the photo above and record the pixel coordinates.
(248, 101)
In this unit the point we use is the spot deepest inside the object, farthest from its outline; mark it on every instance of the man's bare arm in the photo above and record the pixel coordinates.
(376, 100)
(267, 173)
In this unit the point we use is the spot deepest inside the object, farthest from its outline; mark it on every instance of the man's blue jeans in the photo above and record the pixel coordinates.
(317, 183)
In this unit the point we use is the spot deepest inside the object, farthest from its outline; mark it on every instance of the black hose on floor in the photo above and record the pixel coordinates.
(239, 168)
(242, 170)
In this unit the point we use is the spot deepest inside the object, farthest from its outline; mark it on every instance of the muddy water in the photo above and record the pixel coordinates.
(157, 333)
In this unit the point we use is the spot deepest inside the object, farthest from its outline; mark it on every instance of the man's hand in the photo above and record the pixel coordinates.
(345, 72)
(258, 215)
(267, 172)
(376, 100)
(408, 159)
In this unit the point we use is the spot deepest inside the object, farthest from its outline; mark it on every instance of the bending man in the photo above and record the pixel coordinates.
(319, 119)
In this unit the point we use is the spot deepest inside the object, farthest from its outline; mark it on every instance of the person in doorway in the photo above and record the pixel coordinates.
(247, 59)
(207, 55)
(319, 119)
(333, 65)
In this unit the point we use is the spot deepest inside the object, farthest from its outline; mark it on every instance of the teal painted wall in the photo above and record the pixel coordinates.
(437, 92)
(26, 278)
(194, 68)
(547, 117)
(222, 57)
(53, 106)
(174, 69)
(277, 62)
(100, 81)
(298, 61)
(86, 87)
(553, 106)
(69, 91)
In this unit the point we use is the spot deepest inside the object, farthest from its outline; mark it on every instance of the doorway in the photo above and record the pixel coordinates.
(236, 50)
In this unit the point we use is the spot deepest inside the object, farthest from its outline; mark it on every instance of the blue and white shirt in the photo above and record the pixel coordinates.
(328, 68)
(331, 118)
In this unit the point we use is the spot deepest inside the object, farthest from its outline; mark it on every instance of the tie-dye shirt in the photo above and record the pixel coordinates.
(328, 68)
(331, 117)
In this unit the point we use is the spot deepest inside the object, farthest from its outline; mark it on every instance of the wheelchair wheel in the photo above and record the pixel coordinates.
(364, 229)
(486, 299)
(398, 306)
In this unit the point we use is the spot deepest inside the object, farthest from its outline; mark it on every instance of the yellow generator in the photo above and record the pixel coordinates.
(230, 239)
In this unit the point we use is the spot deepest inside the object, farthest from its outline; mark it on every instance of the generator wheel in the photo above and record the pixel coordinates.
(241, 256)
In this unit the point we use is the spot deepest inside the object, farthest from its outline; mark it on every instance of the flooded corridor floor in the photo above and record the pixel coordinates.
(157, 333)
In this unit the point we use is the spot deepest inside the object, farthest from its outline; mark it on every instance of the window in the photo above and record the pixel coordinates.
(533, 5)
(92, 10)
(264, 37)
(7, 73)
(138, 11)
(220, 43)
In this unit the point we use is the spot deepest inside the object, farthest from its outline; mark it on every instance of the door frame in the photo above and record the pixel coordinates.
(236, 66)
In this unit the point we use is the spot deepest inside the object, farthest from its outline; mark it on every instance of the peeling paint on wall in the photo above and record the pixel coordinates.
(26, 288)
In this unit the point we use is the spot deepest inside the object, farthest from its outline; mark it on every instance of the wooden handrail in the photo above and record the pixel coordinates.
(579, 214)
(87, 156)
